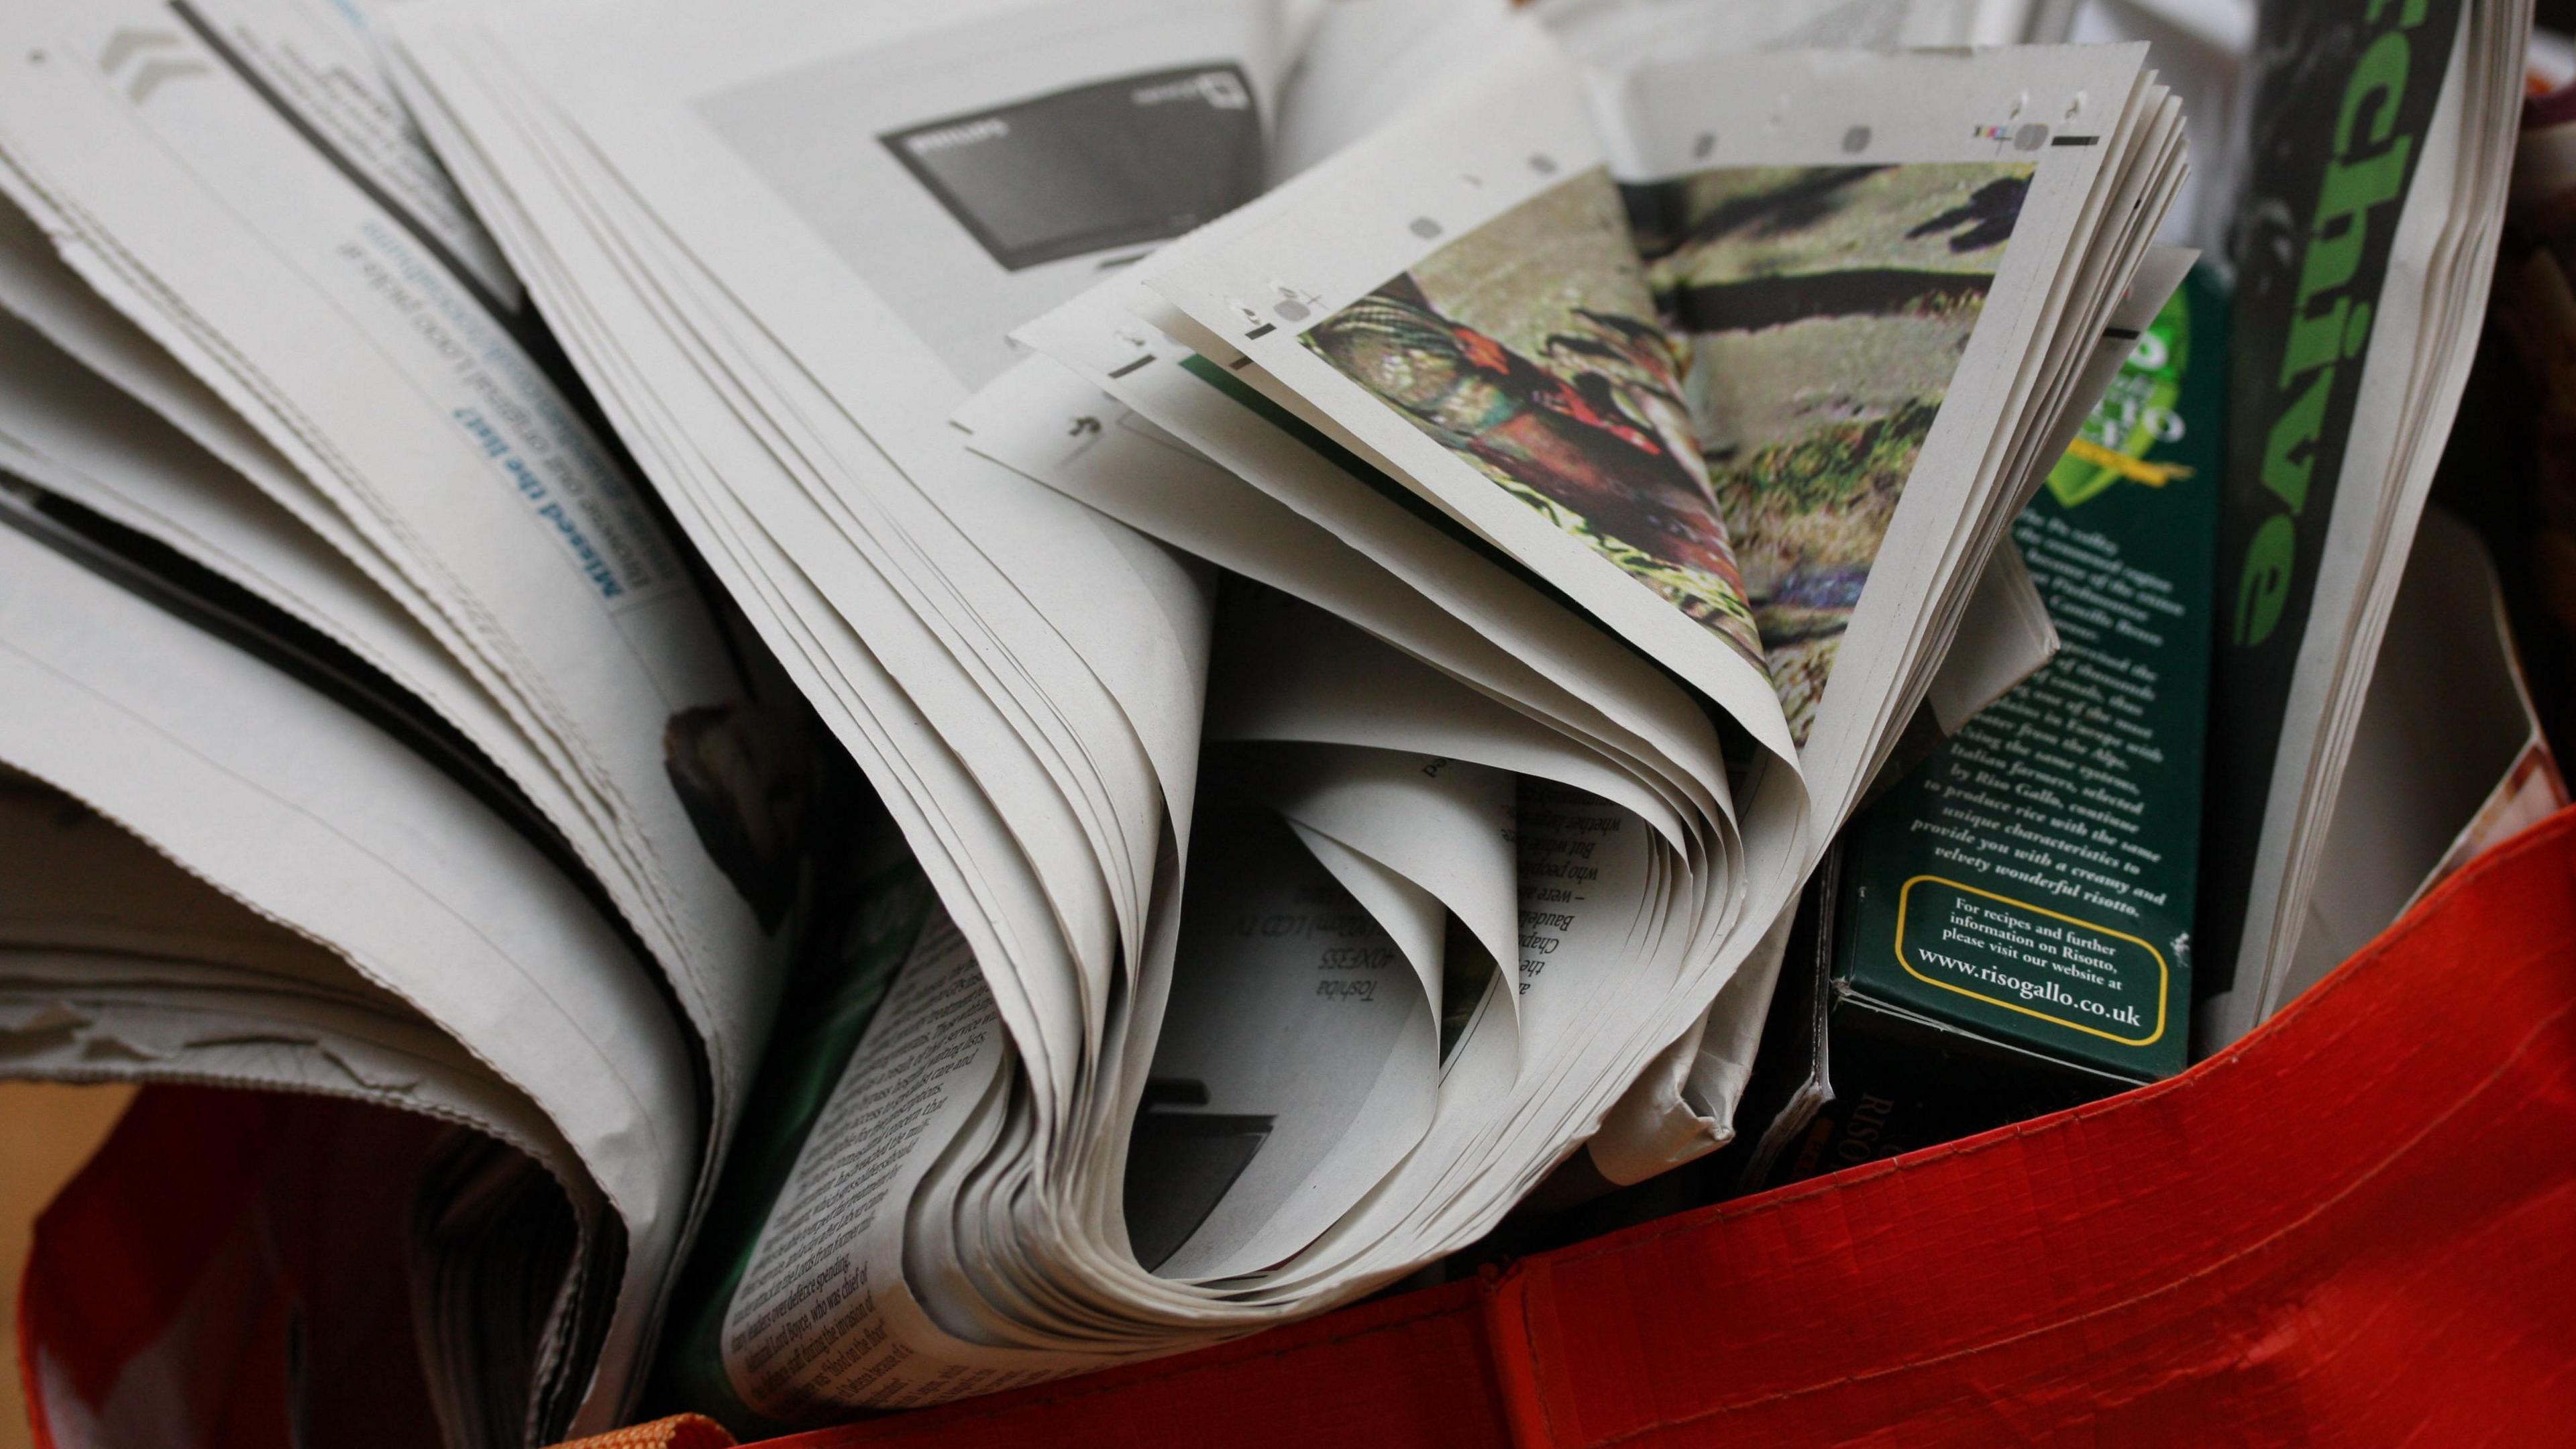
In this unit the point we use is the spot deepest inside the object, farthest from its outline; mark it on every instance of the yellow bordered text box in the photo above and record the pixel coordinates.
(2164, 972)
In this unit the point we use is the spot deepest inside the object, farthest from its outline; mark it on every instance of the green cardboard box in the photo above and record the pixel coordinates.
(2032, 882)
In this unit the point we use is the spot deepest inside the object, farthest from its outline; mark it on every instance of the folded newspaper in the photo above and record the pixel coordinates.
(1350, 696)
(2381, 152)
(319, 586)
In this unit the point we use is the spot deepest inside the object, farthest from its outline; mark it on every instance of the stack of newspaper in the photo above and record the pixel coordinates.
(320, 588)
(1547, 436)
(1363, 561)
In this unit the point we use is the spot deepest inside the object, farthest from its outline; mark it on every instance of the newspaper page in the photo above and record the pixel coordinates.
(315, 63)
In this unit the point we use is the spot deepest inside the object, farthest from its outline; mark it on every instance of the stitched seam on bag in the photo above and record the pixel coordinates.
(1537, 1382)
(2236, 1255)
